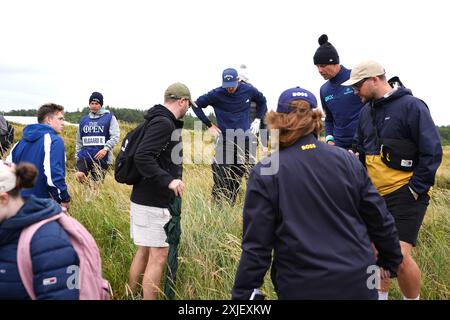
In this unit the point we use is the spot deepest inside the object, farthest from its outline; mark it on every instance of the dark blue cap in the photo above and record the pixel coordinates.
(294, 94)
(229, 78)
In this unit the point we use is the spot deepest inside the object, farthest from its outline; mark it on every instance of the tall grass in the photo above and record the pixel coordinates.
(211, 234)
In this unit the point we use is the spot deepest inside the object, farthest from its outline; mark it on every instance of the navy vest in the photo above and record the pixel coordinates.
(94, 133)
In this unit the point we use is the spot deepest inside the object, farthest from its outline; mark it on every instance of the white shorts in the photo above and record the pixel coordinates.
(147, 225)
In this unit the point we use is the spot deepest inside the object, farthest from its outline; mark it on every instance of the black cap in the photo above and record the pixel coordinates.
(326, 53)
(96, 96)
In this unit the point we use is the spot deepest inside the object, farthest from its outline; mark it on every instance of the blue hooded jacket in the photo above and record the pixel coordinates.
(51, 254)
(41, 146)
(399, 116)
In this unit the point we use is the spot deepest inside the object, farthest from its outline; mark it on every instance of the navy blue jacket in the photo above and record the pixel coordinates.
(318, 211)
(341, 107)
(41, 146)
(400, 116)
(232, 109)
(51, 253)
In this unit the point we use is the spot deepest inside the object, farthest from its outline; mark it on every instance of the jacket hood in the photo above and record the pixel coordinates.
(101, 112)
(34, 210)
(158, 110)
(398, 93)
(33, 132)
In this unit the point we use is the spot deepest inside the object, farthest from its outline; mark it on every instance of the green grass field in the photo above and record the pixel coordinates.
(210, 242)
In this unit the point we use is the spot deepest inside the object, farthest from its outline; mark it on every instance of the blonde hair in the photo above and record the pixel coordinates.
(301, 121)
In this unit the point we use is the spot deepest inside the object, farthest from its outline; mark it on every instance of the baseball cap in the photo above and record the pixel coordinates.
(229, 78)
(179, 91)
(365, 69)
(294, 94)
(7, 178)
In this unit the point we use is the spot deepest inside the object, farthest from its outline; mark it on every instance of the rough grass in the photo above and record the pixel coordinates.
(211, 238)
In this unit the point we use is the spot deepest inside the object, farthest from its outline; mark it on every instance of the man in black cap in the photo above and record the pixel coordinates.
(340, 105)
(97, 135)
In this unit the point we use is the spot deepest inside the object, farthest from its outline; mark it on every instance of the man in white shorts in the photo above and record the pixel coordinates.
(156, 197)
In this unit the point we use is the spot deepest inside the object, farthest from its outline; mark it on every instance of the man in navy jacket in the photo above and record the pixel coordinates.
(42, 146)
(231, 103)
(394, 115)
(317, 212)
(340, 105)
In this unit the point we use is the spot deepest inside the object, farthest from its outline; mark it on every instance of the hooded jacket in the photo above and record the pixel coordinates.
(341, 107)
(399, 115)
(319, 222)
(51, 253)
(153, 159)
(41, 146)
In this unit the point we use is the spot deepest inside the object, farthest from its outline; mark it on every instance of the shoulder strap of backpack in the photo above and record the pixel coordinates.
(24, 264)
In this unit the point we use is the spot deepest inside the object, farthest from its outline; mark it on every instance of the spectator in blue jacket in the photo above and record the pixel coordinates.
(394, 120)
(318, 212)
(231, 103)
(341, 106)
(42, 146)
(51, 251)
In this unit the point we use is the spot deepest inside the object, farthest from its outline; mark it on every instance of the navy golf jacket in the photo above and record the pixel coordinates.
(314, 206)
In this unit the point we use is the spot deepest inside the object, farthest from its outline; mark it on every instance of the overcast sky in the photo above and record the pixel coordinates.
(61, 51)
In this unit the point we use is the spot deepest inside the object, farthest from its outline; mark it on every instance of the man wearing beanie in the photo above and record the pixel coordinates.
(340, 105)
(97, 135)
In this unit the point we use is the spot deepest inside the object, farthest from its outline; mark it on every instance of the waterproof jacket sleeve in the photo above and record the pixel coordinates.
(203, 102)
(257, 239)
(426, 137)
(329, 122)
(380, 223)
(55, 168)
(55, 264)
(157, 136)
(114, 134)
(78, 143)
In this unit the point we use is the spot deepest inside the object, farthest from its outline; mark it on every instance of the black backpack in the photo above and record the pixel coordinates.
(6, 135)
(125, 170)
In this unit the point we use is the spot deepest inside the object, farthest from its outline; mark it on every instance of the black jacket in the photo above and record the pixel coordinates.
(153, 159)
(318, 211)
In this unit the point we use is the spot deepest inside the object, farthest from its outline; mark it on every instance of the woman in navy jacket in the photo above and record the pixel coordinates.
(314, 206)
(51, 251)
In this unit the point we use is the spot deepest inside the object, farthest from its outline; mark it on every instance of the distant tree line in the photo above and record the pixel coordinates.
(137, 116)
(444, 131)
(122, 114)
